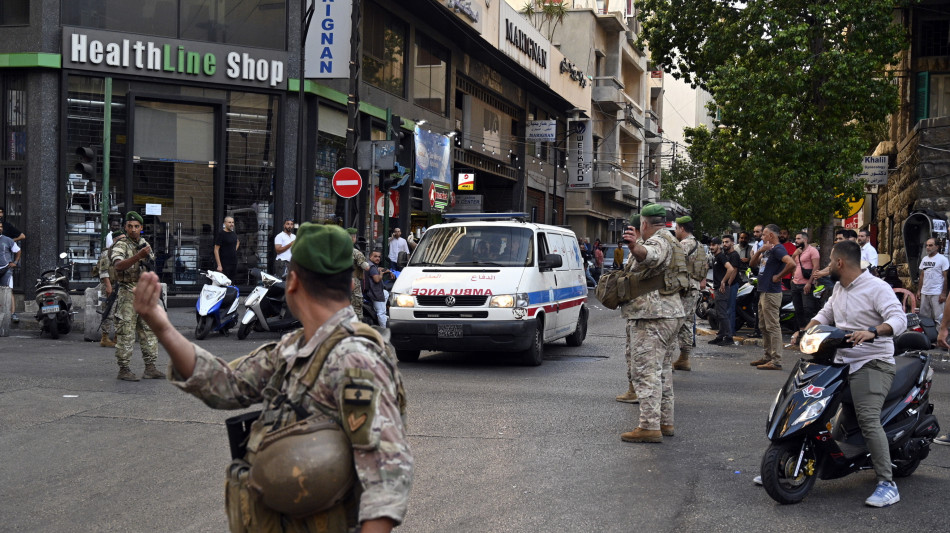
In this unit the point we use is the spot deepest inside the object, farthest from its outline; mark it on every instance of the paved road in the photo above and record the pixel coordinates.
(498, 447)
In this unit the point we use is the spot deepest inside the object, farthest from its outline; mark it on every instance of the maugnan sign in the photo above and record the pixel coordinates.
(121, 53)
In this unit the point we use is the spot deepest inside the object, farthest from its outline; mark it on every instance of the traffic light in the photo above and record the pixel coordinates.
(87, 162)
(395, 124)
(388, 182)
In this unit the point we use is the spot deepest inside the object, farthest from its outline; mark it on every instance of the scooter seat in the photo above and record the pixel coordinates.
(908, 369)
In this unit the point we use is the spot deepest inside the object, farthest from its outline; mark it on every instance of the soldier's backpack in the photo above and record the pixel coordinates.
(619, 286)
(697, 262)
(676, 278)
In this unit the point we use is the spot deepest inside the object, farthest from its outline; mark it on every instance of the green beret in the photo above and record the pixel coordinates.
(352, 231)
(653, 210)
(684, 220)
(116, 233)
(635, 220)
(132, 215)
(324, 249)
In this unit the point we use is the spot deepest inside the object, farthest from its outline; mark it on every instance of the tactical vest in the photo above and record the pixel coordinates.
(676, 276)
(297, 474)
(697, 262)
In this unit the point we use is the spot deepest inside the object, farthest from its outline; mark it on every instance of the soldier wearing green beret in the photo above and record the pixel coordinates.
(334, 372)
(653, 320)
(360, 265)
(105, 272)
(684, 232)
(129, 256)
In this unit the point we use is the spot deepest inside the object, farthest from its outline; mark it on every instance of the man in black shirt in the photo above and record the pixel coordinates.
(226, 245)
(725, 269)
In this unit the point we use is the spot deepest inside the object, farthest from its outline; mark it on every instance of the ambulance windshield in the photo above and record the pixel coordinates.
(462, 246)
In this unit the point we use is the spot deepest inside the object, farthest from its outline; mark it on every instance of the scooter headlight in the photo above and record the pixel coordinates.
(812, 341)
(403, 300)
(774, 403)
(812, 412)
(253, 298)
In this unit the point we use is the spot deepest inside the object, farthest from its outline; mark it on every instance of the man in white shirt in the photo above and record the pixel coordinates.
(282, 243)
(868, 253)
(396, 244)
(865, 305)
(932, 289)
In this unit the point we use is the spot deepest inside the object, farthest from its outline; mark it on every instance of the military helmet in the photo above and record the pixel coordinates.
(305, 472)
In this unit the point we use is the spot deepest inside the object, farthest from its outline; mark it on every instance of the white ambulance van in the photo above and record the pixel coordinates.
(490, 283)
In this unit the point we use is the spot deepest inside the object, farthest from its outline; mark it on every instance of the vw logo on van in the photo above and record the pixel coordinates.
(450, 301)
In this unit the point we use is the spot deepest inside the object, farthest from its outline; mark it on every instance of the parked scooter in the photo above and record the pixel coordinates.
(746, 309)
(265, 309)
(813, 427)
(54, 306)
(923, 325)
(217, 307)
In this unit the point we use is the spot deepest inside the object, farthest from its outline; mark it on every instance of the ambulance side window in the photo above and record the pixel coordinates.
(542, 246)
(557, 245)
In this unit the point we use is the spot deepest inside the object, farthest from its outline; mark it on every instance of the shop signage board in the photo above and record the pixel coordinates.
(328, 40)
(580, 154)
(380, 207)
(469, 203)
(347, 182)
(172, 59)
(521, 41)
(466, 181)
(541, 130)
(874, 170)
(437, 196)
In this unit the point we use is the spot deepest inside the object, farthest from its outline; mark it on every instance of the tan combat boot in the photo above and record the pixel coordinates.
(642, 435)
(683, 362)
(667, 431)
(106, 342)
(126, 375)
(629, 397)
(152, 373)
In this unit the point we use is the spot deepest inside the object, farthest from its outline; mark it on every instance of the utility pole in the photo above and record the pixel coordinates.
(353, 98)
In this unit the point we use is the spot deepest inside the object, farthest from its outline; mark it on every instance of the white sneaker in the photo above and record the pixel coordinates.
(757, 480)
(943, 440)
(884, 495)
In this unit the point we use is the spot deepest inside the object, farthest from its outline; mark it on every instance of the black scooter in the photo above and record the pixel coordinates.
(54, 306)
(813, 427)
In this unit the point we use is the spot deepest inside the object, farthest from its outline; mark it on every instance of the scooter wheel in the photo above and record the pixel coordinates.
(203, 328)
(51, 326)
(778, 472)
(244, 331)
(906, 468)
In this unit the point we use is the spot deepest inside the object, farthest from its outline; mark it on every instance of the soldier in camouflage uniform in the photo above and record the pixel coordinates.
(653, 320)
(127, 256)
(631, 395)
(317, 285)
(106, 274)
(684, 232)
(360, 264)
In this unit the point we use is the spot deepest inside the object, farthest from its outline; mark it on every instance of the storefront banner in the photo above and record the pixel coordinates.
(521, 41)
(580, 153)
(433, 157)
(172, 59)
(436, 196)
(379, 206)
(328, 40)
(541, 130)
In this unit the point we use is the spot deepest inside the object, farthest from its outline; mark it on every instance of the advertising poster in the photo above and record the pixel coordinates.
(433, 157)
(580, 154)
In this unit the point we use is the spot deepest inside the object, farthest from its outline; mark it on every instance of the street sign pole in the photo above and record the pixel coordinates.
(389, 119)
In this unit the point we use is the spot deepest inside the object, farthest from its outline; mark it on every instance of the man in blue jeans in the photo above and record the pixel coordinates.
(725, 269)
(778, 264)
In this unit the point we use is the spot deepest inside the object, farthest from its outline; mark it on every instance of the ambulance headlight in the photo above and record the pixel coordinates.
(403, 300)
(509, 300)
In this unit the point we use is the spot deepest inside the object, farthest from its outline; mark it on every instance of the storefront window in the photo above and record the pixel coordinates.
(237, 22)
(331, 156)
(14, 12)
(148, 17)
(430, 74)
(939, 95)
(384, 50)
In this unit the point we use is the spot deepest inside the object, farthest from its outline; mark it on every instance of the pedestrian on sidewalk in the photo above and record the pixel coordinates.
(282, 244)
(9, 259)
(226, 245)
(932, 286)
(778, 264)
(806, 263)
(725, 270)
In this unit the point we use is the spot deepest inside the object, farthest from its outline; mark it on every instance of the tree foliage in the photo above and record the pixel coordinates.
(545, 15)
(683, 183)
(799, 87)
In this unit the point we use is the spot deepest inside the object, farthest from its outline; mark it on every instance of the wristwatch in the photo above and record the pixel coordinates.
(873, 330)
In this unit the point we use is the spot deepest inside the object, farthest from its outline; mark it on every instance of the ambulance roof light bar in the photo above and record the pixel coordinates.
(520, 217)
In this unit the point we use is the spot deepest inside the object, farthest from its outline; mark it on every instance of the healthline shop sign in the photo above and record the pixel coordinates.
(123, 53)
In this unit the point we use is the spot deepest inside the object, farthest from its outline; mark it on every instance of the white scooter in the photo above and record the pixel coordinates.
(212, 301)
(265, 308)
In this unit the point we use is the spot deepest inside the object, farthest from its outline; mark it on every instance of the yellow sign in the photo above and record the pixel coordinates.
(466, 181)
(853, 207)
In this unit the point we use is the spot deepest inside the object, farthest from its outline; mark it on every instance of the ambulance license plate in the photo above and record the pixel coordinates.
(450, 331)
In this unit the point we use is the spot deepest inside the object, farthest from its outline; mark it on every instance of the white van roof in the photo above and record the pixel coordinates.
(507, 223)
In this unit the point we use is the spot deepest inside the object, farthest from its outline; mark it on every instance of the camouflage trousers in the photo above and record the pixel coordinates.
(685, 333)
(356, 298)
(128, 326)
(651, 344)
(106, 326)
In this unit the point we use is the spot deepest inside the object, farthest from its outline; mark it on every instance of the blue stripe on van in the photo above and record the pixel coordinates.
(564, 293)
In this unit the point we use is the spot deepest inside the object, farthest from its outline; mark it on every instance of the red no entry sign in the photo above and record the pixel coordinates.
(347, 182)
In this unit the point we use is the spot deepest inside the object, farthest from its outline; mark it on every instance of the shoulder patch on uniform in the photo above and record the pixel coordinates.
(357, 394)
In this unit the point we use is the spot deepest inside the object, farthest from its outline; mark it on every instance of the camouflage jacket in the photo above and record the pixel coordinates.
(691, 245)
(653, 304)
(359, 265)
(104, 268)
(123, 249)
(382, 457)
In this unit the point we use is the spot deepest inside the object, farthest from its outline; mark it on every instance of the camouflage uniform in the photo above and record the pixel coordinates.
(128, 323)
(105, 270)
(383, 461)
(652, 322)
(690, 245)
(356, 298)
